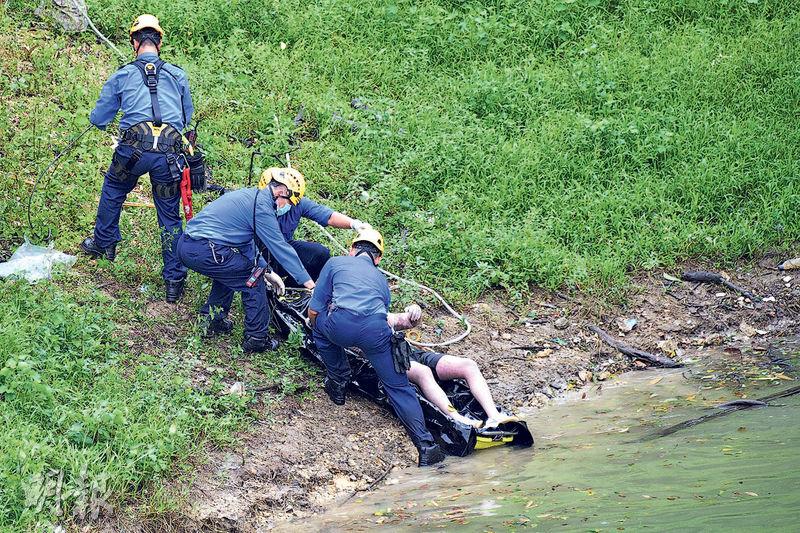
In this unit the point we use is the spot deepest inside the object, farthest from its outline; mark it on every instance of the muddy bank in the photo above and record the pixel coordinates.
(304, 456)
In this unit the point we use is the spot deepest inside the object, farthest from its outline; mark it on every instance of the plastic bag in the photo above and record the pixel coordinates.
(35, 262)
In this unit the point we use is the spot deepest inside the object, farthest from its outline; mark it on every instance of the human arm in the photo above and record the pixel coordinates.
(342, 221)
(269, 232)
(323, 293)
(407, 320)
(325, 216)
(108, 103)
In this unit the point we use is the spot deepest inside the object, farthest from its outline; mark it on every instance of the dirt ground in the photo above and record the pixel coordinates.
(305, 457)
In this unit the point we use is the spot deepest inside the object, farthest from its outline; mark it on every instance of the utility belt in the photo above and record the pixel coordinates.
(147, 137)
(165, 139)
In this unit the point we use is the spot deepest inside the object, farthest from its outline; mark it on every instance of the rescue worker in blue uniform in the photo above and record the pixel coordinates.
(227, 242)
(156, 106)
(312, 254)
(349, 308)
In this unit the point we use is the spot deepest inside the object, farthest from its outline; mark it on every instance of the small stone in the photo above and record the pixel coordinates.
(237, 389)
(604, 375)
(561, 323)
(669, 347)
(787, 279)
(626, 325)
(639, 364)
(585, 376)
(559, 383)
(506, 336)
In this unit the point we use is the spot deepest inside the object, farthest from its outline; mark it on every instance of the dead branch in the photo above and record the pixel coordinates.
(701, 276)
(635, 353)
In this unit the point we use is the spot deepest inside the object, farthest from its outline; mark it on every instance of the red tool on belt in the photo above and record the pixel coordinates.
(186, 194)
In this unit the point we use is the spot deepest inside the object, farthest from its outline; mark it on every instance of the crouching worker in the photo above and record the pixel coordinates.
(349, 308)
(427, 367)
(226, 242)
(313, 254)
(156, 105)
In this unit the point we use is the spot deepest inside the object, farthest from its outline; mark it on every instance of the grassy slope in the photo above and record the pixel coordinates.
(505, 143)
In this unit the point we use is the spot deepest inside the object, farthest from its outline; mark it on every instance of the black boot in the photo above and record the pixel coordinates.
(259, 344)
(430, 455)
(336, 391)
(174, 289)
(212, 328)
(92, 249)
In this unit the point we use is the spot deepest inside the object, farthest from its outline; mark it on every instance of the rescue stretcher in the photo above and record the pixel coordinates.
(455, 438)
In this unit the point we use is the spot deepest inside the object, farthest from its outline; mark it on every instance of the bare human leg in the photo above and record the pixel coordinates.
(450, 367)
(422, 376)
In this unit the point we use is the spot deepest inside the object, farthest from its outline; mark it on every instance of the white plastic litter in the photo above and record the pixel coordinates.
(35, 262)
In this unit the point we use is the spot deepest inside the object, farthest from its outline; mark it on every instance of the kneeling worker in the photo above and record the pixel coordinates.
(225, 242)
(313, 254)
(349, 308)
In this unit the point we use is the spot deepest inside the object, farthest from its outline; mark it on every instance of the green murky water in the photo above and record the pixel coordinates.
(589, 470)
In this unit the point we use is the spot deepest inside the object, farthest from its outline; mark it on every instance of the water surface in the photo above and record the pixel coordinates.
(589, 470)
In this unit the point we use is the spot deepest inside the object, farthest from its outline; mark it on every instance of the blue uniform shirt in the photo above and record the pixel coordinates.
(228, 220)
(306, 208)
(125, 90)
(352, 283)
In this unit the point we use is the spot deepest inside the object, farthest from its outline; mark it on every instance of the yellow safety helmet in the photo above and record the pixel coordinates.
(371, 236)
(146, 21)
(290, 177)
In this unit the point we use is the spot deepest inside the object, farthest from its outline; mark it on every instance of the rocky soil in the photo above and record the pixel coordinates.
(306, 456)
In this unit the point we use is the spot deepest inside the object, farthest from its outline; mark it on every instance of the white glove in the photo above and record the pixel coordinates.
(277, 283)
(414, 313)
(359, 226)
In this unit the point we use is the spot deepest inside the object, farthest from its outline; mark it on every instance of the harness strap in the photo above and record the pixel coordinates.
(135, 157)
(166, 190)
(150, 73)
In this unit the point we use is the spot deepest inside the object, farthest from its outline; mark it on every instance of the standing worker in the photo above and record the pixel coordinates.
(156, 105)
(227, 240)
(349, 308)
(313, 254)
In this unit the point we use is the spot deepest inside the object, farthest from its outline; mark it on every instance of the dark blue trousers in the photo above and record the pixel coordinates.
(371, 334)
(228, 269)
(313, 255)
(115, 190)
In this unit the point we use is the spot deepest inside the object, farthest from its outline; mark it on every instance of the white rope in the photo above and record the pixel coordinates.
(103, 37)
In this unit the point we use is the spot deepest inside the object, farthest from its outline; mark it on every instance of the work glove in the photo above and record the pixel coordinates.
(277, 283)
(359, 226)
(414, 314)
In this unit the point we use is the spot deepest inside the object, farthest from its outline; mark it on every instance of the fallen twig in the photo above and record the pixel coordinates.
(532, 347)
(701, 276)
(635, 353)
(724, 409)
(373, 485)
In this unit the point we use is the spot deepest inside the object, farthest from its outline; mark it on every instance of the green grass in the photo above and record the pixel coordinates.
(506, 143)
(83, 423)
(559, 143)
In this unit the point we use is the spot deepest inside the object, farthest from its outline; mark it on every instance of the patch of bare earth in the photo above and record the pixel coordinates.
(302, 458)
